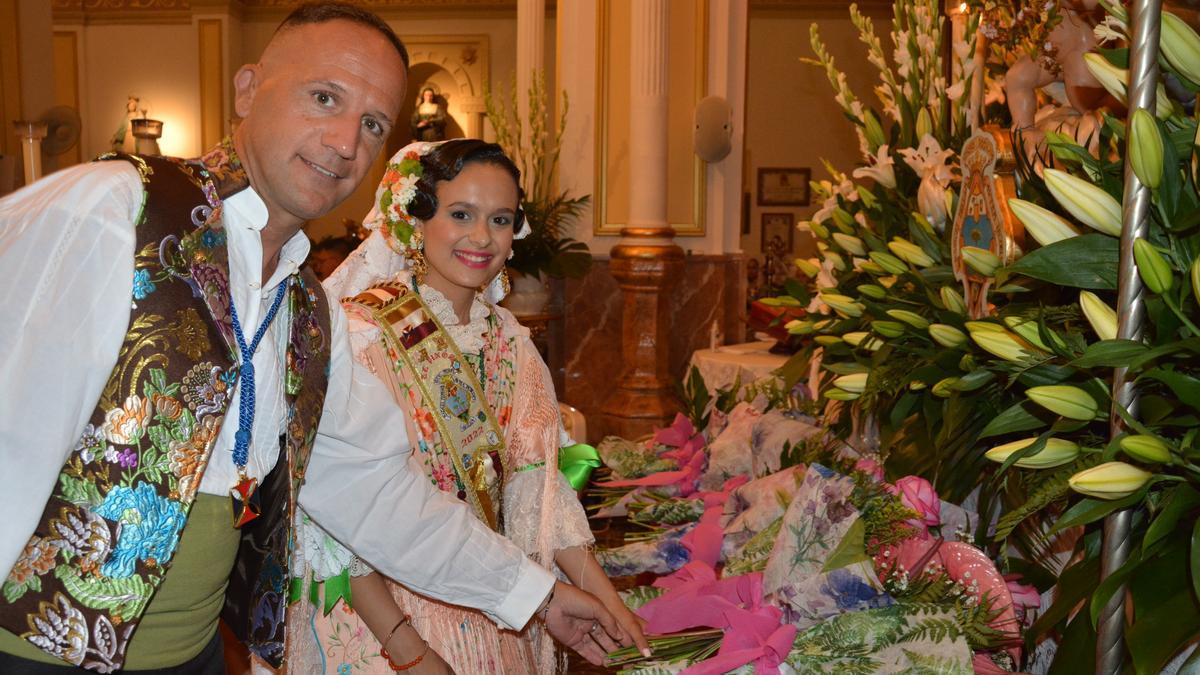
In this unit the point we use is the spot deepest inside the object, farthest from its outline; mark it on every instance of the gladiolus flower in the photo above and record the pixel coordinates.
(1089, 204)
(1063, 399)
(1044, 226)
(1111, 480)
(1056, 453)
(1102, 317)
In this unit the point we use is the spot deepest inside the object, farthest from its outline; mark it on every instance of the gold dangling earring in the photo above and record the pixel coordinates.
(504, 281)
(416, 254)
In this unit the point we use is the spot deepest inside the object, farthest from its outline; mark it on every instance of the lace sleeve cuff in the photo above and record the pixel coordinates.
(566, 520)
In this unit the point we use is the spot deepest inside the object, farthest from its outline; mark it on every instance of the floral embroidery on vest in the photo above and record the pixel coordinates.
(113, 522)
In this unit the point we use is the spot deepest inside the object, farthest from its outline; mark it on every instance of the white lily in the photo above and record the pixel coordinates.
(881, 170)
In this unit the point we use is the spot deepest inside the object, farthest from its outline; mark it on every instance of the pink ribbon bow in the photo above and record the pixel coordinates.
(704, 541)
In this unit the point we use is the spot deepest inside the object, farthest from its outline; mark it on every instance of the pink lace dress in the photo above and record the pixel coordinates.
(540, 511)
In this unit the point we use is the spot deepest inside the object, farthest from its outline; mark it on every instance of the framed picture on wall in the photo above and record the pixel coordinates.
(783, 187)
(778, 227)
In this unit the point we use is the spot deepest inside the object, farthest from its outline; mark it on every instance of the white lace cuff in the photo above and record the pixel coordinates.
(564, 518)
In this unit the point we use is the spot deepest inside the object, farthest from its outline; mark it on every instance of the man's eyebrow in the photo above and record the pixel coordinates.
(337, 88)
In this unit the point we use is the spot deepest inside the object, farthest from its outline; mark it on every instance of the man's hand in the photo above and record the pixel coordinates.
(578, 620)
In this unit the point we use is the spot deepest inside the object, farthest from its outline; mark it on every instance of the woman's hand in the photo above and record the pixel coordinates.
(407, 644)
(632, 624)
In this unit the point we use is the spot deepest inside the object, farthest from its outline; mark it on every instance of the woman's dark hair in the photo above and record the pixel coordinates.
(446, 160)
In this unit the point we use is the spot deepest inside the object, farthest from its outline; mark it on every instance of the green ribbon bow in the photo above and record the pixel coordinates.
(336, 588)
(577, 462)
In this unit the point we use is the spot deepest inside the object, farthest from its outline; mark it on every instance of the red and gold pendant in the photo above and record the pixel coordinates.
(246, 506)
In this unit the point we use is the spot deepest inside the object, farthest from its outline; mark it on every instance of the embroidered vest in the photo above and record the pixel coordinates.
(110, 529)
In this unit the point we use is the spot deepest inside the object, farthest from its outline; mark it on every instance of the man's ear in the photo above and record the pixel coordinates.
(245, 86)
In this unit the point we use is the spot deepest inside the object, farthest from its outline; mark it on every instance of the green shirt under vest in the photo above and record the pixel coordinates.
(182, 616)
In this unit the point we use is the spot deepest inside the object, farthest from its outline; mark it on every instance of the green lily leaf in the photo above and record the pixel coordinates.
(1088, 261)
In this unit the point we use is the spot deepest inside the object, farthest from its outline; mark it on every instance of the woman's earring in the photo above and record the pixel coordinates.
(504, 281)
(415, 253)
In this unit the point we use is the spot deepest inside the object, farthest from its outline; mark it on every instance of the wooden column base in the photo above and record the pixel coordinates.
(644, 397)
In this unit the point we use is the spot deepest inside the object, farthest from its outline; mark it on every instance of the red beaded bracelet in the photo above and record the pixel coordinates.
(404, 666)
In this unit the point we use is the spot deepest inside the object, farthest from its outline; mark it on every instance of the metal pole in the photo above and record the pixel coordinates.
(1131, 314)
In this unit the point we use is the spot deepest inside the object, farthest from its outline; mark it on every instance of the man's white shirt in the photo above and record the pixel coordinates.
(66, 279)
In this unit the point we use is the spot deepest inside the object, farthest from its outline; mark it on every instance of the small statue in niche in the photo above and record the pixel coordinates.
(122, 138)
(428, 121)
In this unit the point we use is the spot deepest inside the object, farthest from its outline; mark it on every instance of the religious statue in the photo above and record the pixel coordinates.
(122, 138)
(1059, 67)
(428, 119)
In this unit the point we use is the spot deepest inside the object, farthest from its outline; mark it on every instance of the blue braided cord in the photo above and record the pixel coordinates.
(241, 448)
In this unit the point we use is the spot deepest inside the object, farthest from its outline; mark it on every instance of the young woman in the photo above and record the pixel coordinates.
(420, 294)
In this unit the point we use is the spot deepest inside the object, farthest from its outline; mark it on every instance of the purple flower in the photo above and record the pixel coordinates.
(128, 458)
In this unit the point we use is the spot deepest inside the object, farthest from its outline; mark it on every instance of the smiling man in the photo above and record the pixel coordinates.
(175, 386)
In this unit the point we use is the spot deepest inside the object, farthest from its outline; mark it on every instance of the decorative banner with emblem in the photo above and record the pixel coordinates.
(983, 219)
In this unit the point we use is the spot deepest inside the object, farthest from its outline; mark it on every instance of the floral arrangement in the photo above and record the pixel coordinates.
(962, 401)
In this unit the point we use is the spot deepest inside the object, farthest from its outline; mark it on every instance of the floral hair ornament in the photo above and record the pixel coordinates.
(395, 194)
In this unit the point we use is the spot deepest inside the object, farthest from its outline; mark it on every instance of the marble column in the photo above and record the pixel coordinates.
(646, 263)
(531, 50)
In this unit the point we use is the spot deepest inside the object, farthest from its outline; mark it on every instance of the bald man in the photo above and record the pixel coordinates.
(175, 385)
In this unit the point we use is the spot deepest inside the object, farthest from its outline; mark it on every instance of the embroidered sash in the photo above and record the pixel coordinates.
(414, 337)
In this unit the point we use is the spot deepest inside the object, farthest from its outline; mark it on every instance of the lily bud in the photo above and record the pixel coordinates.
(855, 338)
(981, 260)
(910, 252)
(840, 395)
(1148, 449)
(1089, 204)
(819, 230)
(842, 304)
(1181, 46)
(836, 260)
(1152, 267)
(798, 327)
(1116, 81)
(1027, 329)
(889, 329)
(843, 220)
(1195, 274)
(911, 318)
(807, 267)
(1102, 317)
(916, 385)
(947, 336)
(1045, 226)
(827, 340)
(1111, 480)
(872, 291)
(1062, 399)
(1002, 343)
(945, 387)
(1145, 148)
(871, 267)
(854, 383)
(1056, 453)
(924, 123)
(868, 198)
(952, 299)
(873, 131)
(890, 263)
(850, 243)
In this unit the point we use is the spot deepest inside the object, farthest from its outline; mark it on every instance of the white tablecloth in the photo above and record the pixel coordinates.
(744, 363)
